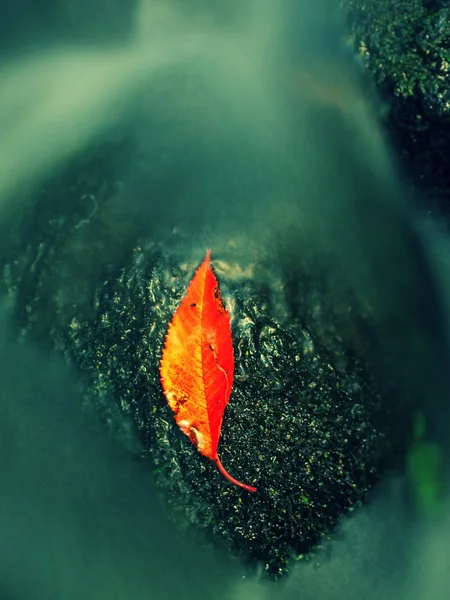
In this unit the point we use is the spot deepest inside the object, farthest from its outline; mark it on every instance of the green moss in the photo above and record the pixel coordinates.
(425, 468)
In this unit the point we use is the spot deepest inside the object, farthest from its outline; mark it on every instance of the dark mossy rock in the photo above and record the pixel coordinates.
(405, 47)
(306, 423)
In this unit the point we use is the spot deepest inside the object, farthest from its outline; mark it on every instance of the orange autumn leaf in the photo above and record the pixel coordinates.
(197, 364)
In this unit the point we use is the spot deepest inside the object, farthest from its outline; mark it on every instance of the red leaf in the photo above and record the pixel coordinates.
(197, 364)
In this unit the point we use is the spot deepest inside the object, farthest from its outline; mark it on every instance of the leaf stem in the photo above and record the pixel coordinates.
(221, 468)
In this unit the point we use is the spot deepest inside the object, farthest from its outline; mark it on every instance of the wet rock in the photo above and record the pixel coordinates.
(306, 423)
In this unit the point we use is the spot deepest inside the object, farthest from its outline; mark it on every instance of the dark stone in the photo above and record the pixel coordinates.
(306, 423)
